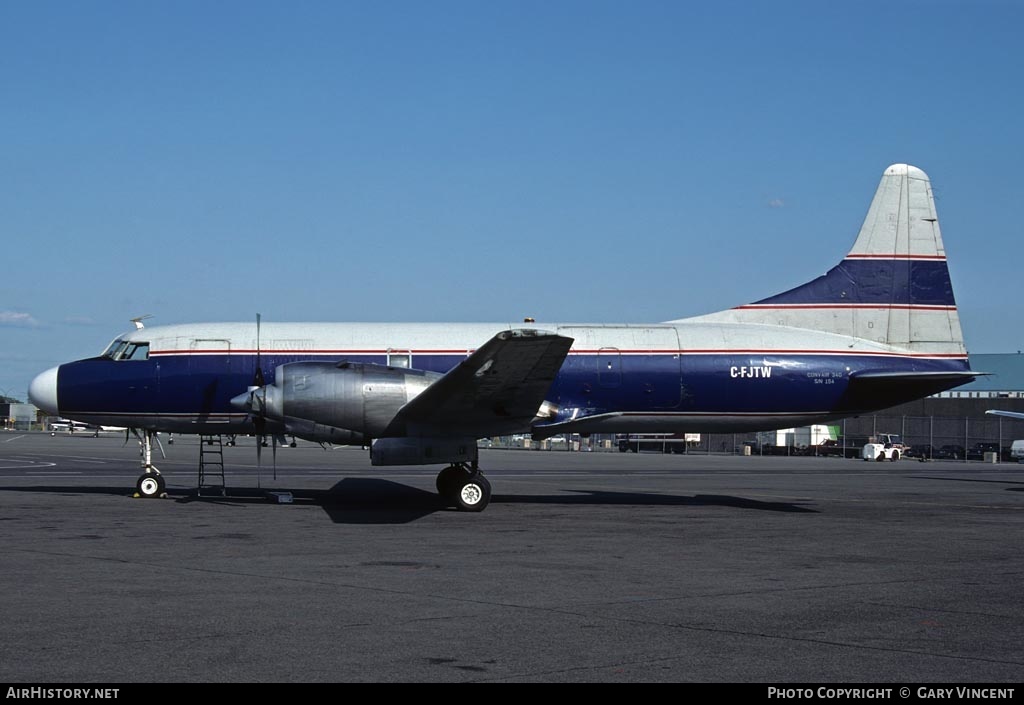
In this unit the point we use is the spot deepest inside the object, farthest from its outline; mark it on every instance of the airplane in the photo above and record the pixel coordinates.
(878, 329)
(68, 425)
(1007, 414)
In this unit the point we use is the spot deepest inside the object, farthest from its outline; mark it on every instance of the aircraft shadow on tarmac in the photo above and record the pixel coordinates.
(377, 501)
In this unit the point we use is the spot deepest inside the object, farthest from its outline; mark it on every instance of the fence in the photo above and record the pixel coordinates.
(932, 437)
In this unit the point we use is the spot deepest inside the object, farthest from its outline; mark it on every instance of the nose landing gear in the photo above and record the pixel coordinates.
(151, 483)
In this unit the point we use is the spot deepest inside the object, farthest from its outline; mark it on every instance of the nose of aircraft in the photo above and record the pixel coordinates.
(43, 391)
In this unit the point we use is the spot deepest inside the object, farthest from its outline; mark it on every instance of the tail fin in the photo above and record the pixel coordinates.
(893, 287)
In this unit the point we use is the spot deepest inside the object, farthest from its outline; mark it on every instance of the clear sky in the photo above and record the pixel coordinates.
(485, 161)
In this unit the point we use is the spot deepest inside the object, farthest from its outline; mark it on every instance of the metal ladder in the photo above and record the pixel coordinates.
(211, 465)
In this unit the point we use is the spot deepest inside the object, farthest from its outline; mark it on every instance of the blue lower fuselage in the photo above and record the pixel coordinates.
(191, 393)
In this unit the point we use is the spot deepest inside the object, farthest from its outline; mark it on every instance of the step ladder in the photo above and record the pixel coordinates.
(211, 465)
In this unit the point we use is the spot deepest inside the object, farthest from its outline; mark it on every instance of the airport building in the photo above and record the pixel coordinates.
(17, 417)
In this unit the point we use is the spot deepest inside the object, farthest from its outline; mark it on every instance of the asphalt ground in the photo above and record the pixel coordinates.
(585, 567)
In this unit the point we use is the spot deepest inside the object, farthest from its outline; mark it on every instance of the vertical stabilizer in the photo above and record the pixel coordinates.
(892, 288)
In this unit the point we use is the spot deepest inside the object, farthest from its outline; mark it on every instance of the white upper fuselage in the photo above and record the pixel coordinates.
(462, 338)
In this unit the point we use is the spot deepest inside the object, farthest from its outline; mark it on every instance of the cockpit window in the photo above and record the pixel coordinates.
(126, 350)
(136, 351)
(113, 351)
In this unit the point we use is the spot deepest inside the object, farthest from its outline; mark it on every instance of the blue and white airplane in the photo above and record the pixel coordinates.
(878, 329)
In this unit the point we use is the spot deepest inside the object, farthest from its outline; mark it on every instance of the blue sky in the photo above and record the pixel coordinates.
(467, 161)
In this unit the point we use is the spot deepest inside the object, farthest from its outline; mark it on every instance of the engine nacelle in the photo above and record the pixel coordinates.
(422, 451)
(317, 432)
(361, 398)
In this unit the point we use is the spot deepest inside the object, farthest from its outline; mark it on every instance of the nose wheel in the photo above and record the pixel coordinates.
(151, 485)
(464, 487)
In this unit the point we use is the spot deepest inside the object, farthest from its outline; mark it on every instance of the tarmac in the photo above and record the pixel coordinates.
(585, 567)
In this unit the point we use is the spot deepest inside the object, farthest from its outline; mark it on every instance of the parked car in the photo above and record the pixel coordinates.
(978, 450)
(950, 452)
(921, 452)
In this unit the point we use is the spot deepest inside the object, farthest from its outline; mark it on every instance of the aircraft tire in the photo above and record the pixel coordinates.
(151, 485)
(448, 480)
(472, 494)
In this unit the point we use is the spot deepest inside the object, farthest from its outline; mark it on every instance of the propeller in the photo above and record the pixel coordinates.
(255, 401)
(259, 400)
(258, 405)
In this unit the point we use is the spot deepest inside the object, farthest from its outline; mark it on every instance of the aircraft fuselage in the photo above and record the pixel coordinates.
(616, 378)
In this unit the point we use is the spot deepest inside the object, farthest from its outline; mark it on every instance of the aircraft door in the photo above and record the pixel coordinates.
(209, 364)
(609, 367)
(653, 367)
(635, 367)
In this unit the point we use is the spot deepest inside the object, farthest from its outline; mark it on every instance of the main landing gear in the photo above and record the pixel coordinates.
(463, 486)
(151, 483)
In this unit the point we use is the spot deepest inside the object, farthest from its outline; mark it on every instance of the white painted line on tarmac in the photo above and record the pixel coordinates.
(30, 465)
(13, 439)
(77, 458)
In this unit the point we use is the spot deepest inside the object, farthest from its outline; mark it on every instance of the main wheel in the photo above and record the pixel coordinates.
(447, 480)
(151, 485)
(895, 456)
(881, 456)
(472, 494)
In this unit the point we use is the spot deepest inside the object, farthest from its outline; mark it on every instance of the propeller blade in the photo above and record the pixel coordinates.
(258, 378)
(258, 406)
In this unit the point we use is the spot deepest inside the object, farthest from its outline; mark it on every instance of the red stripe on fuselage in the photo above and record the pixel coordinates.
(896, 256)
(797, 307)
(608, 351)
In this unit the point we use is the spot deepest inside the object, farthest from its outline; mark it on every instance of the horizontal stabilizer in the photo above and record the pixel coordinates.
(960, 376)
(882, 389)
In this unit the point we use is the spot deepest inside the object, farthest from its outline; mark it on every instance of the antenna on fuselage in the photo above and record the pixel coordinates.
(138, 321)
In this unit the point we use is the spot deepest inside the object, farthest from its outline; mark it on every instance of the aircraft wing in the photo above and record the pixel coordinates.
(497, 389)
(1007, 414)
